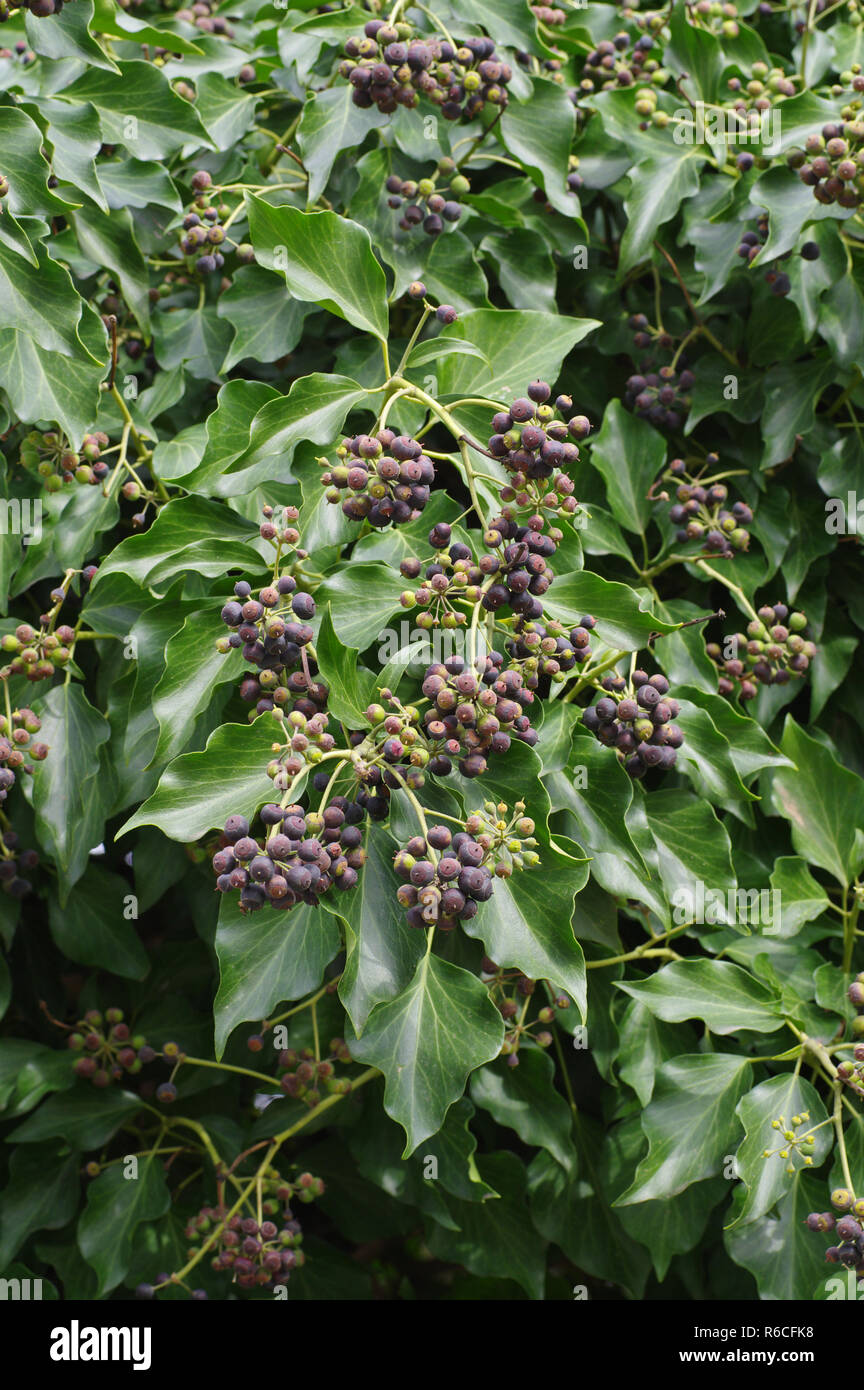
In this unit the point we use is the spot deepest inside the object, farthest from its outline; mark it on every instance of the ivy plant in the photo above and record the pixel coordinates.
(430, 733)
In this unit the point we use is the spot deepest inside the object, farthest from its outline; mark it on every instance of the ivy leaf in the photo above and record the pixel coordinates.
(427, 1041)
(84, 1118)
(658, 185)
(337, 667)
(629, 455)
(520, 344)
(93, 928)
(139, 109)
(691, 1124)
(823, 802)
(189, 533)
(779, 1250)
(801, 897)
(527, 925)
(313, 410)
(725, 997)
(331, 124)
(325, 259)
(193, 669)
(524, 1099)
(197, 792)
(539, 133)
(267, 957)
(116, 1205)
(766, 1179)
(267, 323)
(496, 1238)
(574, 1212)
(623, 618)
(71, 790)
(41, 1195)
(361, 597)
(381, 950)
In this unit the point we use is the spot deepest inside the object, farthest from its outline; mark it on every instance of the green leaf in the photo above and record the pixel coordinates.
(527, 924)
(139, 109)
(783, 1255)
(725, 997)
(199, 791)
(766, 1179)
(361, 598)
(524, 1099)
(691, 1124)
(381, 950)
(194, 669)
(110, 242)
(496, 1238)
(194, 338)
(68, 36)
(623, 617)
(85, 1118)
(629, 455)
(538, 132)
(823, 802)
(71, 790)
(325, 259)
(427, 1041)
(313, 410)
(41, 1195)
(267, 957)
(94, 926)
(801, 897)
(658, 185)
(267, 323)
(116, 1205)
(574, 1212)
(331, 124)
(520, 344)
(189, 533)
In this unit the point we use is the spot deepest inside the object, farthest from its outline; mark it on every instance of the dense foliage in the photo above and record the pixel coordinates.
(430, 740)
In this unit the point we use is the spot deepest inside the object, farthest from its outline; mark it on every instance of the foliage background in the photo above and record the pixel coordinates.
(609, 1165)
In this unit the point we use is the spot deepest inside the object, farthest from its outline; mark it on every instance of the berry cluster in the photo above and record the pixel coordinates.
(40, 9)
(109, 1050)
(54, 459)
(439, 208)
(387, 475)
(547, 649)
(635, 718)
(519, 572)
(835, 167)
(14, 864)
(534, 438)
(300, 855)
(443, 891)
(772, 652)
(764, 88)
(202, 228)
(718, 18)
(849, 1230)
(752, 243)
(474, 712)
(391, 66)
(700, 513)
(302, 1077)
(660, 397)
(619, 62)
(270, 637)
(201, 15)
(35, 655)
